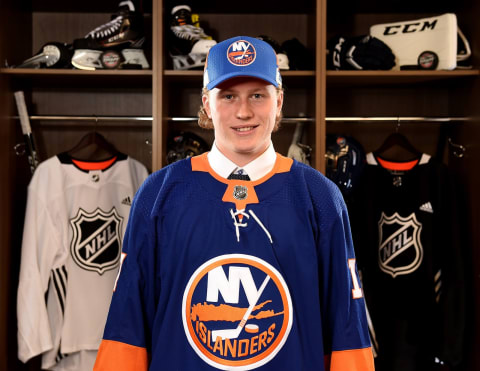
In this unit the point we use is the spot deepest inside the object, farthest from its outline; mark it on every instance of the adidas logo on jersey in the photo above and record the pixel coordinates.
(427, 207)
(127, 201)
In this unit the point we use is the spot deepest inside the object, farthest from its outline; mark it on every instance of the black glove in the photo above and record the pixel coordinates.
(359, 53)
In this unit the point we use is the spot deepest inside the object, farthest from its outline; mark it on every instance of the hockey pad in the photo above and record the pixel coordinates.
(409, 39)
(463, 51)
(359, 53)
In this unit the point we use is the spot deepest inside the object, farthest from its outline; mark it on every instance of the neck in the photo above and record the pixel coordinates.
(242, 158)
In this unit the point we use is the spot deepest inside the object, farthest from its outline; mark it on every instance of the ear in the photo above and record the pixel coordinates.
(206, 104)
(279, 102)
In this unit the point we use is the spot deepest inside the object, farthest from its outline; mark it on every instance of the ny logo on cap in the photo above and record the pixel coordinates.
(241, 53)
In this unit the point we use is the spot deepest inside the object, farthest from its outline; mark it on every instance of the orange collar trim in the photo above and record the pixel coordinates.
(400, 166)
(241, 192)
(100, 165)
(282, 165)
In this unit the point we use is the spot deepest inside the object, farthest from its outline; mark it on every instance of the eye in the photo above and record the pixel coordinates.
(228, 96)
(257, 96)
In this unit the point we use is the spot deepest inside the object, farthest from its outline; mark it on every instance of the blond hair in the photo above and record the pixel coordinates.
(206, 123)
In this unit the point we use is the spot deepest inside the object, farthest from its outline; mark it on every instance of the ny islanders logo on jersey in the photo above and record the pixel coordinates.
(241, 53)
(237, 312)
(96, 242)
(400, 249)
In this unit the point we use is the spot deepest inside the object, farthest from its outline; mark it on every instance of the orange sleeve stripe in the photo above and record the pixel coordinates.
(351, 360)
(116, 356)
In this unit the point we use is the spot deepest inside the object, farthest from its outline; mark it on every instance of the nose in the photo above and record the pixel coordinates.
(244, 111)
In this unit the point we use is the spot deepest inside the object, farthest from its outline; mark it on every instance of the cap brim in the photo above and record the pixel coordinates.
(228, 76)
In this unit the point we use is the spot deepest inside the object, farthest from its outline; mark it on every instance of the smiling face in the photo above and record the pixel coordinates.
(243, 111)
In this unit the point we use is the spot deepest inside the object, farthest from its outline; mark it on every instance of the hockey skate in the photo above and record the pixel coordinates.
(189, 45)
(115, 44)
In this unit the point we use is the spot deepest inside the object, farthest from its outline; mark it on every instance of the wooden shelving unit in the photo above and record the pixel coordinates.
(66, 72)
(395, 77)
(162, 93)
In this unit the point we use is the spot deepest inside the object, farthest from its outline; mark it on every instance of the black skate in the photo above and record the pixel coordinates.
(188, 43)
(115, 44)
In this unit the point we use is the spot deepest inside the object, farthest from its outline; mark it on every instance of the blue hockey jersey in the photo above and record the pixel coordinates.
(237, 275)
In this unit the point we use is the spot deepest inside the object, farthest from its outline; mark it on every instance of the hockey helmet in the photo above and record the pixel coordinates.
(345, 159)
(282, 57)
(184, 145)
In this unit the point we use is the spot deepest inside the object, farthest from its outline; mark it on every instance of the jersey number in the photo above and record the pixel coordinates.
(357, 291)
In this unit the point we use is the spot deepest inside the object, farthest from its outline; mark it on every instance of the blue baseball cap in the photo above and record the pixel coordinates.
(241, 56)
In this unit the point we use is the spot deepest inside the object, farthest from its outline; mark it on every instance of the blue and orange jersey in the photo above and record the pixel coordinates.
(237, 275)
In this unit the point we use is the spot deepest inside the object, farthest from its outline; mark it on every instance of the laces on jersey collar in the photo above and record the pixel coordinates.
(237, 224)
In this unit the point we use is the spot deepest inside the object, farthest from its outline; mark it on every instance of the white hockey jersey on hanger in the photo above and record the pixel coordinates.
(75, 220)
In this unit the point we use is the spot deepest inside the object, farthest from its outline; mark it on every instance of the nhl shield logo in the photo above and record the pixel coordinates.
(96, 242)
(240, 192)
(400, 250)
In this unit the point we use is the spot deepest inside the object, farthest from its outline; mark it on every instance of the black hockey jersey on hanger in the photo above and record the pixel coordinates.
(409, 251)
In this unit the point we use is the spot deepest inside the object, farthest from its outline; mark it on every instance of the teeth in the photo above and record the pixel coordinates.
(245, 129)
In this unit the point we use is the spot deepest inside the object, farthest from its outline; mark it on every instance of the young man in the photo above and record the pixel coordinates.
(239, 258)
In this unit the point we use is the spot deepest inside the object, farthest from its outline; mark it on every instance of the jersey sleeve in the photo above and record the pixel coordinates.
(126, 341)
(40, 245)
(346, 337)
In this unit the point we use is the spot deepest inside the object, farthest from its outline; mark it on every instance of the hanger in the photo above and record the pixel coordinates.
(396, 147)
(457, 149)
(93, 147)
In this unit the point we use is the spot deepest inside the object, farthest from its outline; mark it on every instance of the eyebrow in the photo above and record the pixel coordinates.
(254, 90)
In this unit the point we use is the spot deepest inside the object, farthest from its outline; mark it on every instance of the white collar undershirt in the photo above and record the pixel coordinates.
(255, 169)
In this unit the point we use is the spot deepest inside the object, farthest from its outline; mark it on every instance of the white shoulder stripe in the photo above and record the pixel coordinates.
(371, 159)
(424, 159)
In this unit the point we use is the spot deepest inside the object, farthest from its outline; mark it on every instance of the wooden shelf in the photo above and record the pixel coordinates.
(290, 78)
(249, 6)
(393, 77)
(60, 77)
(72, 72)
(348, 77)
(199, 73)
